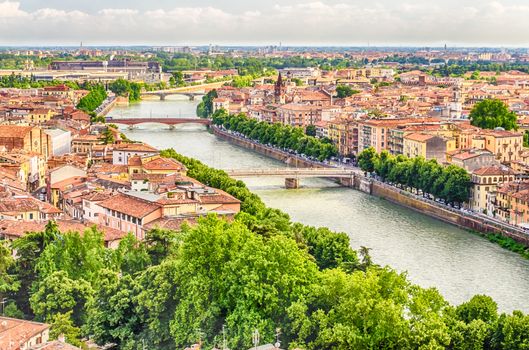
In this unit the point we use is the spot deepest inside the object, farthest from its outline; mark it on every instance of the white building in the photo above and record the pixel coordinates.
(300, 73)
(122, 153)
(61, 141)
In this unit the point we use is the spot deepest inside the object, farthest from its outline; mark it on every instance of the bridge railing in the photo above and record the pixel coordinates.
(293, 171)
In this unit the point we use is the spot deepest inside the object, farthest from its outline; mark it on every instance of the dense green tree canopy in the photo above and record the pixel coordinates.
(343, 91)
(450, 183)
(95, 97)
(490, 114)
(205, 107)
(122, 87)
(279, 135)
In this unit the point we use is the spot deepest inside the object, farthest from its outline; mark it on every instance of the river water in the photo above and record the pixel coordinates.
(433, 254)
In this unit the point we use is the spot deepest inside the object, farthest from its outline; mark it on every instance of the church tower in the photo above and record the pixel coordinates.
(279, 90)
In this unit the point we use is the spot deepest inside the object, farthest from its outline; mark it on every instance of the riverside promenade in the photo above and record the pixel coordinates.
(475, 222)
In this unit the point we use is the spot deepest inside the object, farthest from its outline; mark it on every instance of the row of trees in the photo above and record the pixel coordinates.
(249, 65)
(279, 135)
(122, 87)
(260, 271)
(95, 97)
(22, 82)
(205, 107)
(451, 183)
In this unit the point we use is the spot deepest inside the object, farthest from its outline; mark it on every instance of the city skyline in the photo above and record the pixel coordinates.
(294, 23)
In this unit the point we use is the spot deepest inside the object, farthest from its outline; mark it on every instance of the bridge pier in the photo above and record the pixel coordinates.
(347, 181)
(191, 97)
(130, 127)
(171, 127)
(291, 183)
(162, 97)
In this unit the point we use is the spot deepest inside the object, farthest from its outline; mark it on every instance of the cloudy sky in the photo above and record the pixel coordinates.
(265, 22)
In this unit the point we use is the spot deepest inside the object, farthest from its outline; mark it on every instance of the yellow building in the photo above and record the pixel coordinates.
(155, 164)
(427, 146)
(60, 91)
(506, 145)
(40, 115)
(486, 180)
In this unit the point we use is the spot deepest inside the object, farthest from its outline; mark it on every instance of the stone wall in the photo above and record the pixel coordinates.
(459, 219)
(271, 152)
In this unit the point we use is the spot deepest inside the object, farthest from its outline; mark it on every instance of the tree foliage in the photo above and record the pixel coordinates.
(125, 88)
(205, 107)
(493, 113)
(279, 135)
(451, 183)
(343, 91)
(94, 99)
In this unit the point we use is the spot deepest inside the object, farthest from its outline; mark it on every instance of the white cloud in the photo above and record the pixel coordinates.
(9, 9)
(310, 22)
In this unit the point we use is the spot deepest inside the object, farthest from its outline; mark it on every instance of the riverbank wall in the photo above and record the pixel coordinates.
(406, 199)
(271, 152)
(107, 108)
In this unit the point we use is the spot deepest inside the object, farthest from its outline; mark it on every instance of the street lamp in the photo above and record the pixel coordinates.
(3, 302)
(255, 338)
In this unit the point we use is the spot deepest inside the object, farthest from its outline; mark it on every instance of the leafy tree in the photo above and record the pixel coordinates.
(205, 107)
(78, 256)
(131, 256)
(8, 281)
(310, 130)
(279, 135)
(511, 332)
(58, 294)
(493, 113)
(160, 244)
(112, 317)
(125, 88)
(94, 99)
(29, 249)
(367, 159)
(108, 136)
(62, 324)
(11, 310)
(480, 307)
(343, 91)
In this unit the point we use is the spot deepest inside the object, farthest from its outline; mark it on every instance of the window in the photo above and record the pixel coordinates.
(31, 216)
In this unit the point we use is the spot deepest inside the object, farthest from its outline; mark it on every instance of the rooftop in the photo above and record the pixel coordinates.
(15, 331)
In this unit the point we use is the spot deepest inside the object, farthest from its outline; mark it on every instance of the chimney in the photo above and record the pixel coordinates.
(61, 338)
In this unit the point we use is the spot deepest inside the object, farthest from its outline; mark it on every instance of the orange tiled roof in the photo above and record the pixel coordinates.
(20, 228)
(493, 170)
(15, 331)
(130, 205)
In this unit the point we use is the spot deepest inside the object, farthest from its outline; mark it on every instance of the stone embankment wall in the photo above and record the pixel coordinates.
(271, 152)
(480, 225)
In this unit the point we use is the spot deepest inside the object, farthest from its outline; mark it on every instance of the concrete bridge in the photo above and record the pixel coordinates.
(292, 175)
(171, 122)
(189, 91)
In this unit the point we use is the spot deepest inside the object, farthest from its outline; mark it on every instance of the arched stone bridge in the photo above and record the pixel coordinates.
(189, 91)
(164, 121)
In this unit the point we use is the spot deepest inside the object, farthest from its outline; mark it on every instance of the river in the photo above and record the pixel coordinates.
(433, 254)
